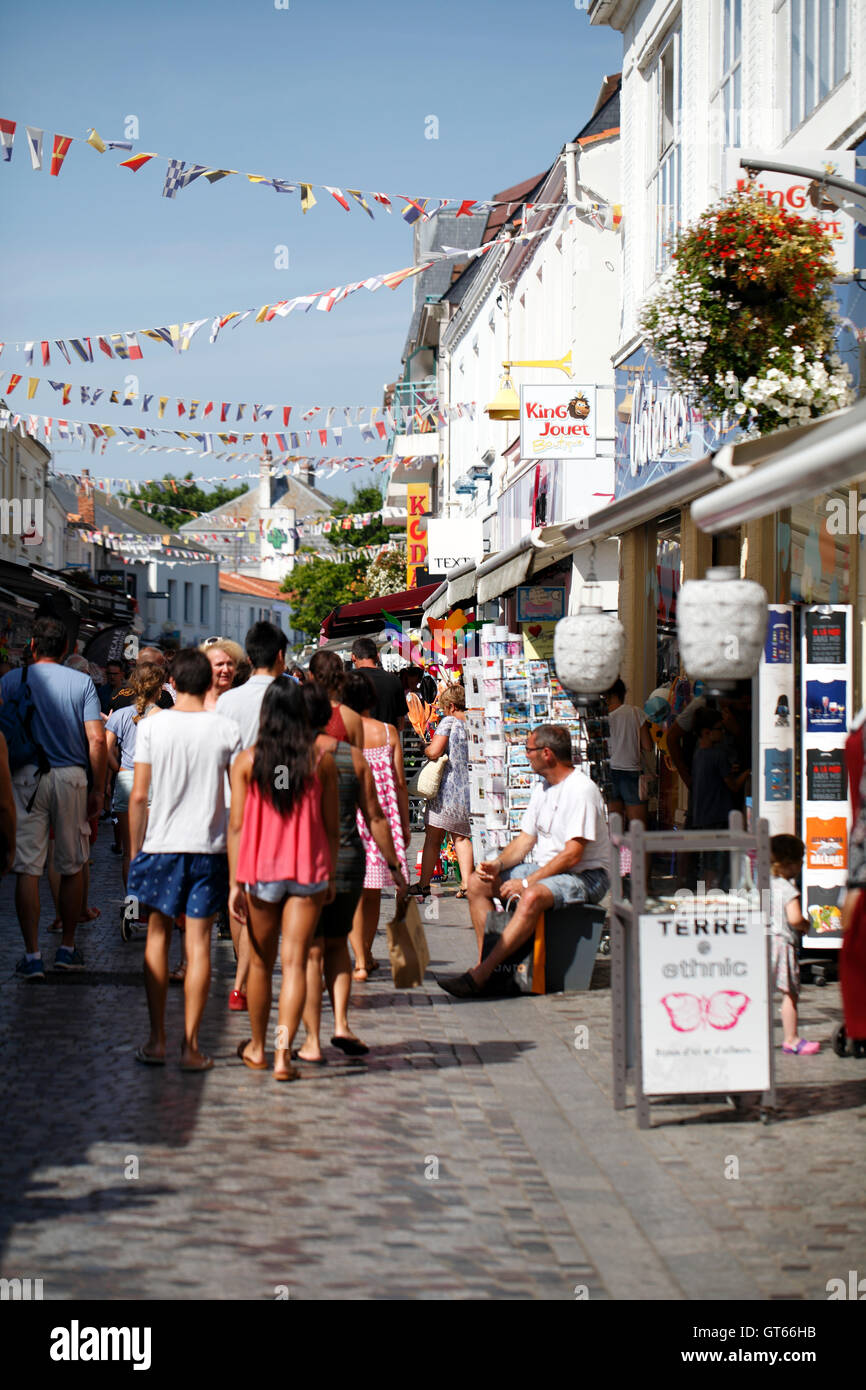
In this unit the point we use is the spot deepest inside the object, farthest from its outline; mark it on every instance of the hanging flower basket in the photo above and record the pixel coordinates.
(744, 320)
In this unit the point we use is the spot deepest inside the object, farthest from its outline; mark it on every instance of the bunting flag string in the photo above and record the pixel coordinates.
(426, 406)
(124, 344)
(180, 174)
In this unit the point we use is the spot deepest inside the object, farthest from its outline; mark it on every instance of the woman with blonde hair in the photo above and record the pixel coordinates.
(225, 656)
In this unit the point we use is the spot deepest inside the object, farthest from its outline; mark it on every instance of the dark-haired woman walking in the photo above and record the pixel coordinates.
(283, 841)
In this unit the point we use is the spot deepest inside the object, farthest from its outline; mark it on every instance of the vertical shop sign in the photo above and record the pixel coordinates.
(775, 779)
(826, 684)
(417, 507)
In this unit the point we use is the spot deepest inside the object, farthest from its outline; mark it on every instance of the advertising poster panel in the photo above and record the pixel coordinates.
(826, 692)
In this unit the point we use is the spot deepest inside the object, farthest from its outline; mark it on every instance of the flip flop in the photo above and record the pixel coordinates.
(205, 1064)
(352, 1047)
(360, 975)
(178, 976)
(290, 1074)
(90, 916)
(253, 1066)
(309, 1061)
(461, 893)
(147, 1060)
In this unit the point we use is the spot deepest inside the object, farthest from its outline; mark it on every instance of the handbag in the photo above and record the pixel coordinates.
(407, 945)
(428, 779)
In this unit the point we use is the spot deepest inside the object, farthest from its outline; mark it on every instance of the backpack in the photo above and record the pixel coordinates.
(16, 725)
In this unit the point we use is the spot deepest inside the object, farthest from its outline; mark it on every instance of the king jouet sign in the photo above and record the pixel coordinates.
(557, 421)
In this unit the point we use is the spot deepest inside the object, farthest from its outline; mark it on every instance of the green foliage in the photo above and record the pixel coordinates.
(175, 504)
(363, 499)
(316, 587)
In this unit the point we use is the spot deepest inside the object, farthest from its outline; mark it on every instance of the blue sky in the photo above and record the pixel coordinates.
(325, 90)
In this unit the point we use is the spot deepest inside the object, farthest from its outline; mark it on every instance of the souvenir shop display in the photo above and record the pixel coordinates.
(507, 695)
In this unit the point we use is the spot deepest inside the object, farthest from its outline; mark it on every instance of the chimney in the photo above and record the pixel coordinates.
(85, 499)
(266, 483)
(308, 475)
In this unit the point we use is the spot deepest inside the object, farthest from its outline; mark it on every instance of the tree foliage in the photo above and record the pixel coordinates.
(319, 585)
(363, 499)
(176, 499)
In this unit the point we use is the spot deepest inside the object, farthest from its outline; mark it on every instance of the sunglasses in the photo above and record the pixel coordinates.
(212, 641)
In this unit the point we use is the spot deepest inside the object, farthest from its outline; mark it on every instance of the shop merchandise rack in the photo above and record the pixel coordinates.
(507, 694)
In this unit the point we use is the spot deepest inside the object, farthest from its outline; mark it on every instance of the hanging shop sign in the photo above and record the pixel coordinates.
(453, 541)
(826, 685)
(775, 782)
(704, 1008)
(797, 195)
(558, 421)
(417, 507)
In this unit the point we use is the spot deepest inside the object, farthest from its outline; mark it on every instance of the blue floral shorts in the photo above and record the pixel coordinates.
(191, 885)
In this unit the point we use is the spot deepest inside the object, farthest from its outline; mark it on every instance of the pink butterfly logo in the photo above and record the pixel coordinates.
(690, 1011)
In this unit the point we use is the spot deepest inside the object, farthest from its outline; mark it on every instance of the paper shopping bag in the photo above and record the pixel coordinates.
(407, 945)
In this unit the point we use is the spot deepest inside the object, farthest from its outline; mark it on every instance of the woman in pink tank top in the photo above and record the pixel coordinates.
(282, 842)
(384, 753)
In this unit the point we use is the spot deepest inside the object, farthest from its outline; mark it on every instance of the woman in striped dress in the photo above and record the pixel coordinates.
(384, 753)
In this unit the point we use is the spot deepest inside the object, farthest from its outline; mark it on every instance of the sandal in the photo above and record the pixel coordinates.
(178, 976)
(359, 974)
(90, 915)
(148, 1059)
(352, 1047)
(253, 1066)
(417, 890)
(204, 1064)
(461, 893)
(287, 1074)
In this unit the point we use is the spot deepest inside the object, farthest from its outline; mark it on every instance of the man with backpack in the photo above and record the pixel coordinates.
(50, 718)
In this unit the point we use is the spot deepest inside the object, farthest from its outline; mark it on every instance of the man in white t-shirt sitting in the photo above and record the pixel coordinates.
(560, 857)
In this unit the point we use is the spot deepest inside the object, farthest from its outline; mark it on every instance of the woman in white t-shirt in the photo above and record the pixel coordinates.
(629, 743)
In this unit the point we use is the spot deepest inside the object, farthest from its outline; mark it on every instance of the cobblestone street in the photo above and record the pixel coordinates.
(329, 1187)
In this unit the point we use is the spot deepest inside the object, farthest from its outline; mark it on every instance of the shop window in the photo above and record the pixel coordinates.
(187, 603)
(172, 598)
(204, 604)
(815, 550)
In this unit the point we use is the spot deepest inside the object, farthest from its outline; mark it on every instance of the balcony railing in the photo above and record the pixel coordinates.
(412, 404)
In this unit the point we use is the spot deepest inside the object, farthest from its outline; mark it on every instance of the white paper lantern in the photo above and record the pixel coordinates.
(587, 652)
(721, 624)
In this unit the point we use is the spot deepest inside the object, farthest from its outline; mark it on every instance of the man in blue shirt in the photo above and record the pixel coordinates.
(68, 728)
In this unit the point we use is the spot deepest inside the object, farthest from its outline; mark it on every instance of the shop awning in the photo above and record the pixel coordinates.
(462, 584)
(359, 619)
(438, 605)
(784, 468)
(543, 546)
(459, 586)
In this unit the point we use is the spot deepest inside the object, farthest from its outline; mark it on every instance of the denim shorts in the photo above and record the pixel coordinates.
(589, 886)
(191, 885)
(273, 891)
(625, 787)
